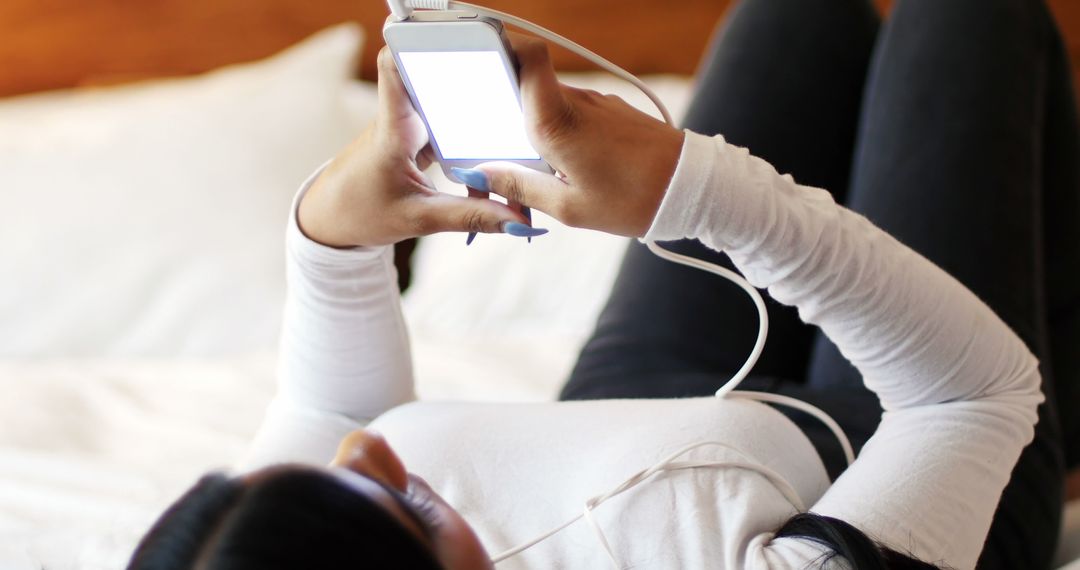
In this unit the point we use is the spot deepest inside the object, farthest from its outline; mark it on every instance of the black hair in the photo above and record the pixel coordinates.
(848, 542)
(297, 518)
(289, 518)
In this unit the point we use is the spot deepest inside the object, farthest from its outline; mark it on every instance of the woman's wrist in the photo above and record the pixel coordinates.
(327, 208)
(668, 151)
(691, 193)
(311, 214)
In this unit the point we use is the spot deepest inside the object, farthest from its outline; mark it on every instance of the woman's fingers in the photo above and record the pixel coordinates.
(479, 195)
(394, 101)
(425, 157)
(447, 213)
(521, 185)
(517, 207)
(547, 109)
(401, 129)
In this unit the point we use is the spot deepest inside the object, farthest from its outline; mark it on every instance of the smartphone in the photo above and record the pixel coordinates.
(461, 75)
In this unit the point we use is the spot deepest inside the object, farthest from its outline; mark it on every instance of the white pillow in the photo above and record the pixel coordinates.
(147, 220)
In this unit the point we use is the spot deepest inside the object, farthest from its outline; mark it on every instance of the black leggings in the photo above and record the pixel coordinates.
(951, 126)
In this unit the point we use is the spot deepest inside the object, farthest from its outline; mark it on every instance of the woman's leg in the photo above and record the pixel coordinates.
(950, 161)
(1061, 239)
(784, 78)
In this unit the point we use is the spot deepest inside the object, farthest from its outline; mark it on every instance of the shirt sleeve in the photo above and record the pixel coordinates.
(959, 388)
(344, 354)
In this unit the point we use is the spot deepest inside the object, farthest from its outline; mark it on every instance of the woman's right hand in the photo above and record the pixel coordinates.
(615, 161)
(375, 191)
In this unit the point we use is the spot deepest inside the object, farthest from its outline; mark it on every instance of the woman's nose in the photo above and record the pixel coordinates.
(367, 453)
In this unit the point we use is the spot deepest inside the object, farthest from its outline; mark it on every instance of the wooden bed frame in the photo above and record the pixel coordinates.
(50, 44)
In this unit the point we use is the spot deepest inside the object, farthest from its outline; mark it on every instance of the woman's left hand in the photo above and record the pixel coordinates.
(375, 192)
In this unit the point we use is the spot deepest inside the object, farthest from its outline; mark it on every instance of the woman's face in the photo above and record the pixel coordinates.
(366, 463)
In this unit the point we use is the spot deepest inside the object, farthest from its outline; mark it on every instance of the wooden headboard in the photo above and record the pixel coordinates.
(49, 44)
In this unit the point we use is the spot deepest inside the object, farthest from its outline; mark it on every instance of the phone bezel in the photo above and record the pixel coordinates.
(453, 31)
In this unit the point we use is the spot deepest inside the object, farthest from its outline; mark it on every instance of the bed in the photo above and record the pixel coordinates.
(148, 152)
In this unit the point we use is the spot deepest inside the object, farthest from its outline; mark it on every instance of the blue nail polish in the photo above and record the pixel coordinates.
(521, 230)
(472, 236)
(528, 216)
(474, 179)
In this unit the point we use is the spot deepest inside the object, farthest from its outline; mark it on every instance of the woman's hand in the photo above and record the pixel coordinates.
(616, 161)
(375, 193)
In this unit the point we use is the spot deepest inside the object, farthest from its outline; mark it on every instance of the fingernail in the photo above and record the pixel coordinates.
(528, 215)
(472, 236)
(521, 230)
(475, 179)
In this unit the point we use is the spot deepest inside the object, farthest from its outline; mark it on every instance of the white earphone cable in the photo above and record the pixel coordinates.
(571, 45)
(665, 465)
(727, 390)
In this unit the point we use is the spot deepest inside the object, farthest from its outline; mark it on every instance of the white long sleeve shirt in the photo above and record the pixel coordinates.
(959, 390)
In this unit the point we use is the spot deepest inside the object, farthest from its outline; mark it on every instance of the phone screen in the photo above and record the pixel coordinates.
(469, 103)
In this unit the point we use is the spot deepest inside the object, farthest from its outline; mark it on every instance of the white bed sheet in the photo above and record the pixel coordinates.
(91, 451)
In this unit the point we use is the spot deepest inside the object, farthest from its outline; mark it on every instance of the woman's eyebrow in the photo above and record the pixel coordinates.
(425, 526)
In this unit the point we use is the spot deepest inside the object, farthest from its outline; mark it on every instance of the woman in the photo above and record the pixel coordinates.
(963, 149)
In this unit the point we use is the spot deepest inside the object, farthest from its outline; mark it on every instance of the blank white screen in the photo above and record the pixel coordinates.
(469, 104)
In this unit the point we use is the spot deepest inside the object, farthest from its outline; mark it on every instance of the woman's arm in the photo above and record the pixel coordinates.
(344, 351)
(959, 388)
